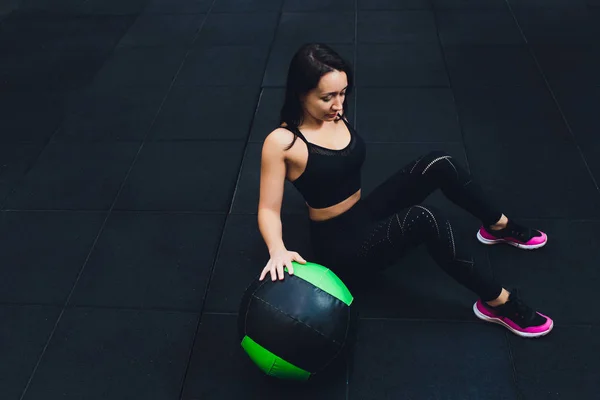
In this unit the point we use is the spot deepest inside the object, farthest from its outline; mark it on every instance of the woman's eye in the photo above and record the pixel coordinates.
(329, 97)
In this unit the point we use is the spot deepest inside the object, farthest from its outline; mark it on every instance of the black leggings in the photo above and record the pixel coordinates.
(383, 226)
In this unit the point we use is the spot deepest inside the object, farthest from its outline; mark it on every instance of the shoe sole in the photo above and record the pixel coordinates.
(529, 335)
(514, 244)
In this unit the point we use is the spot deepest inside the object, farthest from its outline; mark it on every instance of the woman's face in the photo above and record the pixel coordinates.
(325, 102)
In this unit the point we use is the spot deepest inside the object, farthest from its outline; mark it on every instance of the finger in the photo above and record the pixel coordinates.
(280, 271)
(290, 267)
(300, 259)
(273, 272)
(264, 271)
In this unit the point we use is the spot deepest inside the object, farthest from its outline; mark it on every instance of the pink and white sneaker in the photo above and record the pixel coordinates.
(514, 235)
(516, 316)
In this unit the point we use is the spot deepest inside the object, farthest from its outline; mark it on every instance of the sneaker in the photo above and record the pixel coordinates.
(514, 235)
(516, 316)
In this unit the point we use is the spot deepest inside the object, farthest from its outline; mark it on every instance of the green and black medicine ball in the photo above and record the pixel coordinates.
(296, 327)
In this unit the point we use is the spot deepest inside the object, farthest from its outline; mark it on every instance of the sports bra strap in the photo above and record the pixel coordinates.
(297, 132)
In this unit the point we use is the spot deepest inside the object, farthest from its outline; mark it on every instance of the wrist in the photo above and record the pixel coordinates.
(276, 249)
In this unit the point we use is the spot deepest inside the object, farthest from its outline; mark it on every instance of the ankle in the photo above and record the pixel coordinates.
(503, 298)
(501, 224)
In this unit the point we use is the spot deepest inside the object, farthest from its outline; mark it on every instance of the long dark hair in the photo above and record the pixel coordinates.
(309, 64)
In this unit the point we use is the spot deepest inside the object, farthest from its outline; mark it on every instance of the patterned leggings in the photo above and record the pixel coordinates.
(390, 221)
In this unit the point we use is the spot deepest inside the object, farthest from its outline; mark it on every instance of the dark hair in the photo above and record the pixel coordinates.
(309, 64)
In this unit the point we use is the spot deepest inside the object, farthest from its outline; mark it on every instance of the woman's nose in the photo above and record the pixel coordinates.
(337, 105)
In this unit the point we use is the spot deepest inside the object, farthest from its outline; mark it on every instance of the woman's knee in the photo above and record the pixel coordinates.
(424, 219)
(436, 162)
(441, 166)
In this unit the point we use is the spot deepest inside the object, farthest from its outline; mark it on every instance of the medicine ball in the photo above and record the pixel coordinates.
(296, 327)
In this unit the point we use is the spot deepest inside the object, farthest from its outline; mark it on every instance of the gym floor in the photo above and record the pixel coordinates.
(130, 137)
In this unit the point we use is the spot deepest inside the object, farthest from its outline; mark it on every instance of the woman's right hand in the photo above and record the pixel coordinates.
(279, 260)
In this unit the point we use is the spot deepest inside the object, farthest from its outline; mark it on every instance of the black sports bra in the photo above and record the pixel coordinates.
(331, 176)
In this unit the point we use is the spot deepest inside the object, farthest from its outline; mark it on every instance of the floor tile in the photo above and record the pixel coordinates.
(533, 4)
(219, 65)
(58, 7)
(400, 65)
(408, 26)
(578, 104)
(329, 27)
(180, 176)
(148, 260)
(590, 154)
(63, 31)
(16, 161)
(556, 25)
(492, 66)
(206, 113)
(438, 360)
(24, 332)
(163, 30)
(527, 187)
(141, 66)
(42, 254)
(393, 5)
(569, 65)
(510, 115)
(238, 29)
(177, 6)
(469, 4)
(478, 27)
(30, 115)
(318, 5)
(245, 6)
(70, 176)
(39, 69)
(407, 115)
(9, 6)
(118, 114)
(98, 354)
(568, 354)
(114, 7)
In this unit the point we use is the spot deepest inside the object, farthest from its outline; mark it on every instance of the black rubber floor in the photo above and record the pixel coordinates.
(130, 138)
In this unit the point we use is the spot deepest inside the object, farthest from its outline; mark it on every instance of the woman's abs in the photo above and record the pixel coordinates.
(323, 214)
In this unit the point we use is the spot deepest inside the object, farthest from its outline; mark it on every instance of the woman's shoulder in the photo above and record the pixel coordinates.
(280, 137)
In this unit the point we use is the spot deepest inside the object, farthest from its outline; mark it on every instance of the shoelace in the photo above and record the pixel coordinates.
(520, 232)
(522, 310)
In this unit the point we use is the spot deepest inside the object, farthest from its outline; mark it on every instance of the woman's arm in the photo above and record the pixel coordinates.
(272, 180)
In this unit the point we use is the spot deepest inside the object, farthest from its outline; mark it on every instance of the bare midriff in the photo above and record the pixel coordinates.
(323, 214)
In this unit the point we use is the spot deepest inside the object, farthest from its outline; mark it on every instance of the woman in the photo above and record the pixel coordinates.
(350, 233)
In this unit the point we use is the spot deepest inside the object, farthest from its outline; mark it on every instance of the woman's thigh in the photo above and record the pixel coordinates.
(404, 188)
